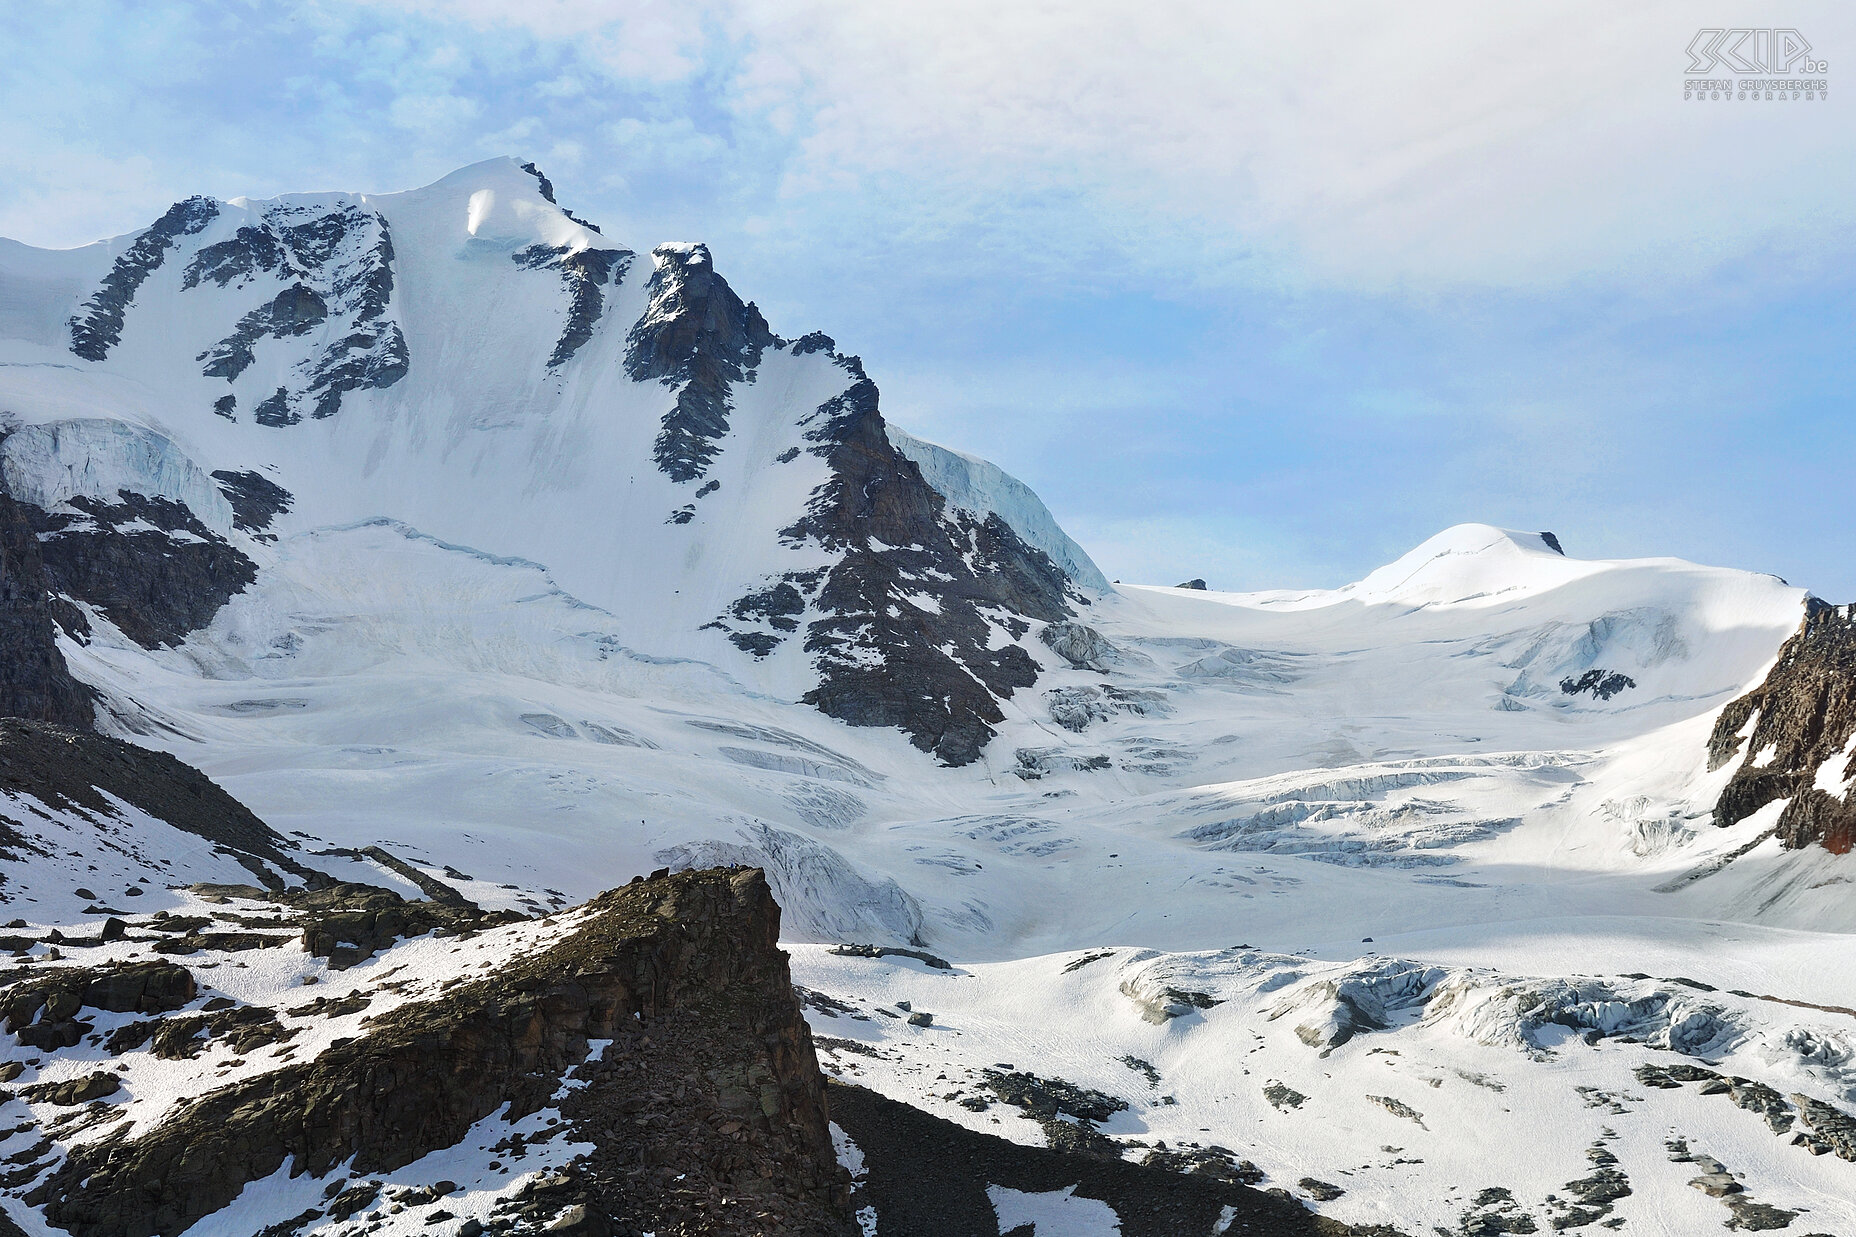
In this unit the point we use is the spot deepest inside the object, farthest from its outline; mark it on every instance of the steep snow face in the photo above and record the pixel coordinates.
(983, 488)
(471, 360)
(50, 463)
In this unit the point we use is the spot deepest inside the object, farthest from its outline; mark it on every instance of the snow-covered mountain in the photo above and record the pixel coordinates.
(491, 562)
(473, 361)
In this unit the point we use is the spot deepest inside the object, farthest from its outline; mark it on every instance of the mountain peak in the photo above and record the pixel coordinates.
(1469, 562)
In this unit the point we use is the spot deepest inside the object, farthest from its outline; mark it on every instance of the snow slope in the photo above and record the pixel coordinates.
(982, 487)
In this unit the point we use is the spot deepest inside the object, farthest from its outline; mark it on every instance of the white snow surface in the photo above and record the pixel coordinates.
(475, 639)
(982, 487)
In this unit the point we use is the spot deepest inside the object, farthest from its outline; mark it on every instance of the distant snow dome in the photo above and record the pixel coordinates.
(1471, 563)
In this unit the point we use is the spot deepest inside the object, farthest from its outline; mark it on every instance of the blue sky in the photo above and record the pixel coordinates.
(1265, 294)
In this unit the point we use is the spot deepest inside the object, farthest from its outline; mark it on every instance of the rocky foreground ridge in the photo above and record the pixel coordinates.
(297, 1052)
(292, 1050)
(702, 1102)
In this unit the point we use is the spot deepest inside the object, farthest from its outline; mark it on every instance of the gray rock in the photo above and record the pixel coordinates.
(1806, 715)
(98, 326)
(1082, 646)
(584, 273)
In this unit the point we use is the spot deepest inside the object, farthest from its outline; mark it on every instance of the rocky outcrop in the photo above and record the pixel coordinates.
(35, 682)
(63, 767)
(42, 1010)
(584, 273)
(886, 657)
(1601, 683)
(336, 266)
(149, 564)
(699, 337)
(256, 500)
(1793, 735)
(348, 923)
(927, 1177)
(98, 326)
(294, 311)
(249, 251)
(706, 1109)
(546, 187)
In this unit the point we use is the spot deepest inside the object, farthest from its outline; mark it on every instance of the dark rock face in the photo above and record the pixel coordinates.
(1193, 583)
(348, 923)
(296, 310)
(884, 659)
(1553, 543)
(1806, 715)
(927, 1177)
(779, 607)
(698, 336)
(337, 271)
(583, 274)
(547, 192)
(156, 583)
(256, 500)
(135, 988)
(709, 1090)
(249, 251)
(1601, 683)
(373, 353)
(274, 409)
(98, 326)
(62, 767)
(35, 683)
(541, 179)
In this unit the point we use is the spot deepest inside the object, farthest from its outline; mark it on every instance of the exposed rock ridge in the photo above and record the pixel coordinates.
(35, 682)
(61, 766)
(1803, 719)
(295, 311)
(583, 273)
(147, 563)
(907, 617)
(336, 266)
(698, 336)
(98, 327)
(547, 192)
(682, 974)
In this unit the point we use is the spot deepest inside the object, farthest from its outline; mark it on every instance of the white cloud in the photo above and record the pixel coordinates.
(647, 40)
(432, 115)
(1375, 145)
(1379, 144)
